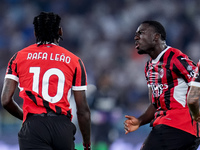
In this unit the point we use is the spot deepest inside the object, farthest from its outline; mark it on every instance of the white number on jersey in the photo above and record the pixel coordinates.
(45, 83)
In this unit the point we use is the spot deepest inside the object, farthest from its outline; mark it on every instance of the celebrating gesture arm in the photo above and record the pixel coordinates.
(132, 123)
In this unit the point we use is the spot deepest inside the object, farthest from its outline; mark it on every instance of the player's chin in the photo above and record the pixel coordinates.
(141, 52)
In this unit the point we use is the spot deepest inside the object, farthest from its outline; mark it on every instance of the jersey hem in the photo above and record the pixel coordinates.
(79, 88)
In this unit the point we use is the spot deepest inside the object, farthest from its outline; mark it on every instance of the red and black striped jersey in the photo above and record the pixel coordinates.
(169, 76)
(196, 78)
(46, 75)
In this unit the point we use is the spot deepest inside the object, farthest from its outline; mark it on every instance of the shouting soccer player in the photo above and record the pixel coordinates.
(168, 74)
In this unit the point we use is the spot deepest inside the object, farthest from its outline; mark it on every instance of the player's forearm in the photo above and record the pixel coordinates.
(7, 101)
(194, 109)
(148, 115)
(13, 108)
(85, 125)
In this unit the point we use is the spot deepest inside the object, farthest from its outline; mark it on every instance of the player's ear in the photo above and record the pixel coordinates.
(34, 34)
(157, 36)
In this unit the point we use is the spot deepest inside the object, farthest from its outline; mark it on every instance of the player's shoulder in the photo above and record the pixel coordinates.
(173, 50)
(177, 53)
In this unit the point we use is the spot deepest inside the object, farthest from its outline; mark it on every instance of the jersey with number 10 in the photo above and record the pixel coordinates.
(46, 75)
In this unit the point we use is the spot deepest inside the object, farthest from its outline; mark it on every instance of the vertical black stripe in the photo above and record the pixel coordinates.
(197, 129)
(169, 80)
(16, 70)
(178, 73)
(83, 75)
(74, 78)
(31, 96)
(183, 61)
(10, 65)
(185, 64)
(147, 66)
(146, 71)
(157, 101)
(160, 66)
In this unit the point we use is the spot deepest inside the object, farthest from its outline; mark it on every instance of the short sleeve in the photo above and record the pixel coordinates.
(184, 67)
(11, 71)
(80, 77)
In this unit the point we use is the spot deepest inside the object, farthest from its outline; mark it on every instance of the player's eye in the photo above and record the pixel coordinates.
(139, 33)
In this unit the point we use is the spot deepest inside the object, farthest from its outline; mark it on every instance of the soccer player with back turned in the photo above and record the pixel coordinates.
(168, 74)
(46, 73)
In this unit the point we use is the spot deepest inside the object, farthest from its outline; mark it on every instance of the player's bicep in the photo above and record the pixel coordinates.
(81, 102)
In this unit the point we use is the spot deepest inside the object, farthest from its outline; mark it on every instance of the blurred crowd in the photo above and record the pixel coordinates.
(101, 33)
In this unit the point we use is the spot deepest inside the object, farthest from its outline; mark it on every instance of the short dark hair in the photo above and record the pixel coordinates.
(158, 28)
(46, 26)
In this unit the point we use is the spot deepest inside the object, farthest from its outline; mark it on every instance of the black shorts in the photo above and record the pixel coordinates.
(47, 133)
(164, 137)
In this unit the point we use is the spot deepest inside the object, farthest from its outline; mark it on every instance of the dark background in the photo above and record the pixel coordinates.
(101, 33)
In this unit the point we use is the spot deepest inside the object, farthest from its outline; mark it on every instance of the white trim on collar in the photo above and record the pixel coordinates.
(46, 43)
(160, 55)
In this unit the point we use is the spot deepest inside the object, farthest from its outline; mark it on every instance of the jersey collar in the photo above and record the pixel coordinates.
(160, 55)
(46, 43)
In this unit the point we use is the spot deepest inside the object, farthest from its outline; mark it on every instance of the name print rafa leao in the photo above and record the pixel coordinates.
(46, 56)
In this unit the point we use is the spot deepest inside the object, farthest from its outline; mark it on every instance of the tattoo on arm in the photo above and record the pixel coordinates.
(195, 93)
(193, 101)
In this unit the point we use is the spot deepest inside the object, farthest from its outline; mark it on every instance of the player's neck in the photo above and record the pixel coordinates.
(157, 50)
(46, 42)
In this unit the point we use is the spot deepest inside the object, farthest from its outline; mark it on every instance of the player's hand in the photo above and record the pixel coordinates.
(87, 146)
(131, 124)
(196, 118)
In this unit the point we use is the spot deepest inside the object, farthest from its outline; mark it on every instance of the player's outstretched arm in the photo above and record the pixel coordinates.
(132, 123)
(193, 102)
(83, 115)
(7, 101)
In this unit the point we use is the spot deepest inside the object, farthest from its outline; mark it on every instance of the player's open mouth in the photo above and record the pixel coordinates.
(136, 45)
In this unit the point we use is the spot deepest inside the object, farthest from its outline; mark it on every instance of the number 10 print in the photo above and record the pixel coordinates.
(45, 83)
